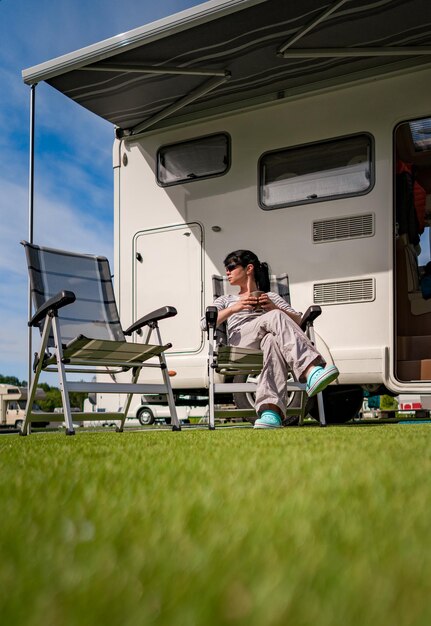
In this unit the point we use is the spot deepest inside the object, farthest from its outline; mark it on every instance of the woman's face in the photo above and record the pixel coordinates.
(237, 274)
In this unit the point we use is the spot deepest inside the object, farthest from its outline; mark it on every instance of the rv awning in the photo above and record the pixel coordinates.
(226, 53)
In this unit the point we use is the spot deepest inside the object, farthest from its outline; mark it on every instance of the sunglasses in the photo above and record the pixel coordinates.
(231, 266)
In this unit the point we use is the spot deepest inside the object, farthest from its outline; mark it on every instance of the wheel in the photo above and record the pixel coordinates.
(19, 423)
(246, 400)
(145, 416)
(342, 403)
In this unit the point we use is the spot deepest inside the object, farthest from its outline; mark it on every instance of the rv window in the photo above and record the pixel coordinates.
(192, 160)
(421, 134)
(310, 173)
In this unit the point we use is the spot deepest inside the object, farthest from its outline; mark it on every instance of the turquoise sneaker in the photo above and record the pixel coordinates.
(320, 378)
(268, 419)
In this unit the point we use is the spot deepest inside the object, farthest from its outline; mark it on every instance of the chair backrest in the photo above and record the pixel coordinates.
(94, 314)
(278, 284)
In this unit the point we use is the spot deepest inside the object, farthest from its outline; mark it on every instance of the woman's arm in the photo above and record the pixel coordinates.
(245, 303)
(226, 309)
(270, 301)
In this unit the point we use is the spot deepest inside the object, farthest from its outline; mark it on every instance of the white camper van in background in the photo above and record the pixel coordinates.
(231, 136)
(12, 405)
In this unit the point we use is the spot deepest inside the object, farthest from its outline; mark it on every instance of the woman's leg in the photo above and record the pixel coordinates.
(297, 350)
(285, 348)
(271, 388)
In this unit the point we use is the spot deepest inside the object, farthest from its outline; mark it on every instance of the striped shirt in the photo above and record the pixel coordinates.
(236, 320)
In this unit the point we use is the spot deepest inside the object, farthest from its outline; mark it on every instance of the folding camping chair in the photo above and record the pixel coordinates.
(230, 361)
(81, 333)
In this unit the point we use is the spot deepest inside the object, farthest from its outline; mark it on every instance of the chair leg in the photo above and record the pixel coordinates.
(126, 407)
(321, 408)
(170, 396)
(211, 376)
(304, 399)
(176, 426)
(62, 377)
(26, 427)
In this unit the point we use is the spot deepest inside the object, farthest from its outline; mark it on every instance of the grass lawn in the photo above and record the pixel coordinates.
(294, 527)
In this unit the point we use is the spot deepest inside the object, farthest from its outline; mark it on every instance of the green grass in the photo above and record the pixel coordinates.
(295, 527)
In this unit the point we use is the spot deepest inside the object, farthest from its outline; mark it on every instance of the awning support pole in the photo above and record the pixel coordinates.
(310, 26)
(310, 53)
(147, 69)
(182, 102)
(31, 220)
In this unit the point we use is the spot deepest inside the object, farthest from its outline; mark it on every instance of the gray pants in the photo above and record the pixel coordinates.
(285, 348)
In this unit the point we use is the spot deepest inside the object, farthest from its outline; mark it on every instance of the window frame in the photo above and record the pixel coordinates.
(323, 142)
(197, 178)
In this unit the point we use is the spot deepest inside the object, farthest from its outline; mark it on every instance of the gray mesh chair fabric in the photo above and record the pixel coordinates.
(241, 366)
(87, 333)
(94, 312)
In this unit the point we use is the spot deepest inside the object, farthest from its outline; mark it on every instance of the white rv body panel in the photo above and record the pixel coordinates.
(224, 210)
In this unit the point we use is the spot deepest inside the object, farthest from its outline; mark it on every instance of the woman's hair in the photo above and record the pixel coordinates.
(244, 258)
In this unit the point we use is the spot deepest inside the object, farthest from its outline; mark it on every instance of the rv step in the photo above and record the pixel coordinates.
(419, 369)
(414, 348)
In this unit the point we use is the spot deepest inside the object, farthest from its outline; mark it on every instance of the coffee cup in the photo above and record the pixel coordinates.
(257, 294)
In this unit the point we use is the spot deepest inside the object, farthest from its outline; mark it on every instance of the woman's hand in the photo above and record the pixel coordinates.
(266, 303)
(245, 303)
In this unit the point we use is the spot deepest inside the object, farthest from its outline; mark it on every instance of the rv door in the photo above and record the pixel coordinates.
(168, 271)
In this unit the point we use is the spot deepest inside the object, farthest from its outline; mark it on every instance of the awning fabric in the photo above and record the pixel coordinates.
(243, 50)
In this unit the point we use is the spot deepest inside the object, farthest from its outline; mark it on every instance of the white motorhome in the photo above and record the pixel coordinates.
(296, 130)
(12, 405)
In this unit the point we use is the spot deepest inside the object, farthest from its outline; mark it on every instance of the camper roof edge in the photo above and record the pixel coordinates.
(153, 31)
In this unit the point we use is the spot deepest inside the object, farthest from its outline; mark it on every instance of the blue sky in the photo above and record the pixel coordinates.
(73, 175)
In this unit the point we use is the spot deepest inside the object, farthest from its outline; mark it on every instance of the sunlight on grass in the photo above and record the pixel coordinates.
(300, 526)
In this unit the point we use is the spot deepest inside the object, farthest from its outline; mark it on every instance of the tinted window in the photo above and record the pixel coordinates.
(314, 172)
(192, 160)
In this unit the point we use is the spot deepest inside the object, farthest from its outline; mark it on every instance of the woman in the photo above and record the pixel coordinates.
(273, 328)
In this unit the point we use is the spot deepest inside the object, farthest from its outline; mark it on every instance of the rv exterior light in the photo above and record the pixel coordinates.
(172, 373)
(216, 229)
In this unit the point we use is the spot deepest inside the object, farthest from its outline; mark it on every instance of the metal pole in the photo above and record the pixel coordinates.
(30, 221)
(321, 53)
(135, 68)
(182, 102)
(320, 18)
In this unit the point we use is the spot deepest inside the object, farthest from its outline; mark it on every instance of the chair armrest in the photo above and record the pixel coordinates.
(211, 314)
(150, 318)
(61, 299)
(309, 316)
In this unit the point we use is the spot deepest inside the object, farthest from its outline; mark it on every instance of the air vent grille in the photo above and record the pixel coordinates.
(344, 292)
(342, 228)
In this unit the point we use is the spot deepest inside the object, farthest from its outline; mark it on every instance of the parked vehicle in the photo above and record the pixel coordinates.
(13, 401)
(307, 162)
(419, 406)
